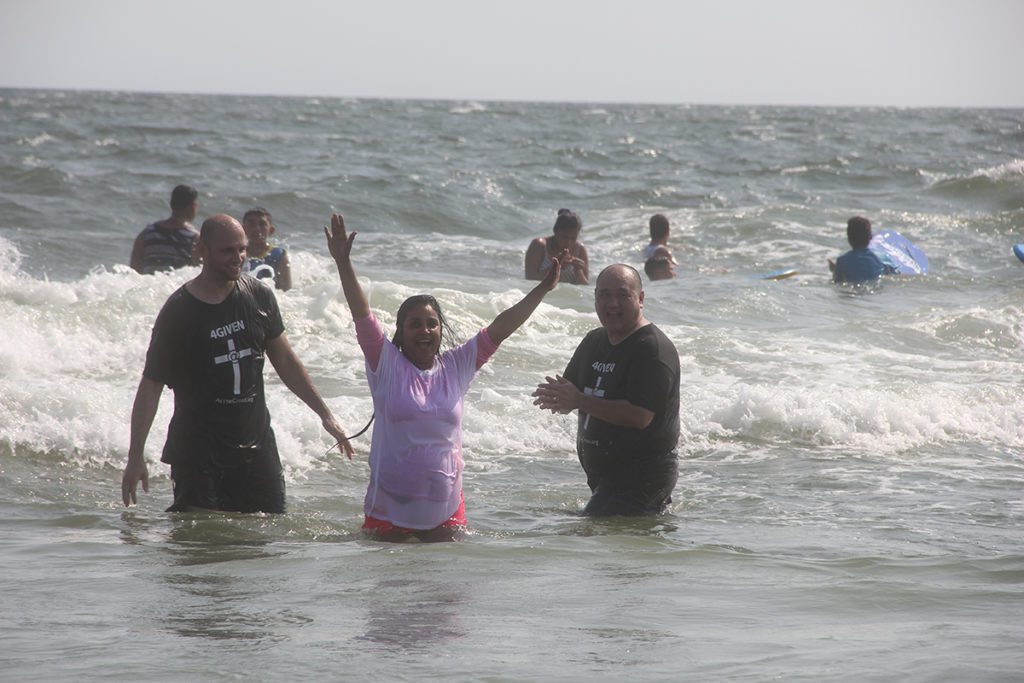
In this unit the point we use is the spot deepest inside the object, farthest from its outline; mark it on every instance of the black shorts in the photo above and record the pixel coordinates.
(246, 481)
(647, 491)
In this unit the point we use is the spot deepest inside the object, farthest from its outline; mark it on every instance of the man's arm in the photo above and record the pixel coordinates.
(147, 400)
(293, 373)
(559, 395)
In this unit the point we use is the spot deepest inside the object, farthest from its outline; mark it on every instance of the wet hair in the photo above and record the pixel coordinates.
(858, 232)
(258, 211)
(182, 196)
(567, 220)
(659, 226)
(657, 268)
(447, 336)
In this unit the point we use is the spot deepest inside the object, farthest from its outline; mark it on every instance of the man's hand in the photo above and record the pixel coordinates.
(558, 395)
(134, 472)
(338, 433)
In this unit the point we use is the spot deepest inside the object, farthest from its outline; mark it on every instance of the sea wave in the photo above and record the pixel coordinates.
(1002, 185)
(873, 419)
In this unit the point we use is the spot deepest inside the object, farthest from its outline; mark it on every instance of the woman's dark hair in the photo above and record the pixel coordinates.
(447, 336)
(567, 220)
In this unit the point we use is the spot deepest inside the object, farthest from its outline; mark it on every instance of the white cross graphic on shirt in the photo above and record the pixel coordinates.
(232, 357)
(593, 392)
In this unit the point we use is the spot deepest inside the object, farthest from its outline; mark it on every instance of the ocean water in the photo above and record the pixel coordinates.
(850, 504)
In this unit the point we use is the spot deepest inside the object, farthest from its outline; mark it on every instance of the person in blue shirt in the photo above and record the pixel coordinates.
(860, 264)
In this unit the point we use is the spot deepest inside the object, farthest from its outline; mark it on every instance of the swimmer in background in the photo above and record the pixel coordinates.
(659, 264)
(860, 264)
(660, 267)
(265, 261)
(170, 243)
(660, 231)
(564, 246)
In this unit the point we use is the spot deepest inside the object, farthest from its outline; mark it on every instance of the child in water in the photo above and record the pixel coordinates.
(659, 264)
(860, 264)
(264, 260)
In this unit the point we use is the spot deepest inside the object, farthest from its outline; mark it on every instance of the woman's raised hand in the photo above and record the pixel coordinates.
(339, 241)
(555, 271)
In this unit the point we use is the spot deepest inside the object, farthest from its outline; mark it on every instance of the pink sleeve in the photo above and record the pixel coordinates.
(371, 339)
(485, 348)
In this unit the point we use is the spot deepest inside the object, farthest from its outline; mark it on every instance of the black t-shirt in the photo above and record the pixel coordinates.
(642, 369)
(212, 356)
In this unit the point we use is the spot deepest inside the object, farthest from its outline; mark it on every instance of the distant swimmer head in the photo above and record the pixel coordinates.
(659, 268)
(567, 228)
(257, 212)
(858, 232)
(185, 200)
(568, 220)
(259, 226)
(659, 228)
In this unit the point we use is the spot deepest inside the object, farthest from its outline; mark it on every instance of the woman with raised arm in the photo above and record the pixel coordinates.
(415, 488)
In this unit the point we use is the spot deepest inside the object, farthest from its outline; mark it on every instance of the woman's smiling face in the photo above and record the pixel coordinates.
(421, 336)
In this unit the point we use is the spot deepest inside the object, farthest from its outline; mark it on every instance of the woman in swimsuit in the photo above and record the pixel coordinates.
(562, 246)
(415, 488)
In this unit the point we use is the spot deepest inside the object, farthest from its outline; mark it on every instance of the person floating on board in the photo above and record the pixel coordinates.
(623, 380)
(209, 343)
(415, 487)
(265, 261)
(170, 243)
(562, 245)
(860, 264)
(659, 264)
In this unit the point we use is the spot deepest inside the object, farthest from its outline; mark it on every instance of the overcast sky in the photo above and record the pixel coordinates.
(967, 53)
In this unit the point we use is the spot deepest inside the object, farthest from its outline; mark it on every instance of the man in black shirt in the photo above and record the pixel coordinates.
(624, 381)
(209, 344)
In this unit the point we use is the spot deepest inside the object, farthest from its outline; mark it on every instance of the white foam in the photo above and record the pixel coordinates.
(1010, 170)
(36, 140)
(72, 354)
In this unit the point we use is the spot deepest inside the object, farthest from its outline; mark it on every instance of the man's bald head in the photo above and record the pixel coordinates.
(213, 225)
(624, 273)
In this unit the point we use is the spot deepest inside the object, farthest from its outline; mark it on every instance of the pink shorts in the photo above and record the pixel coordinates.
(381, 526)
